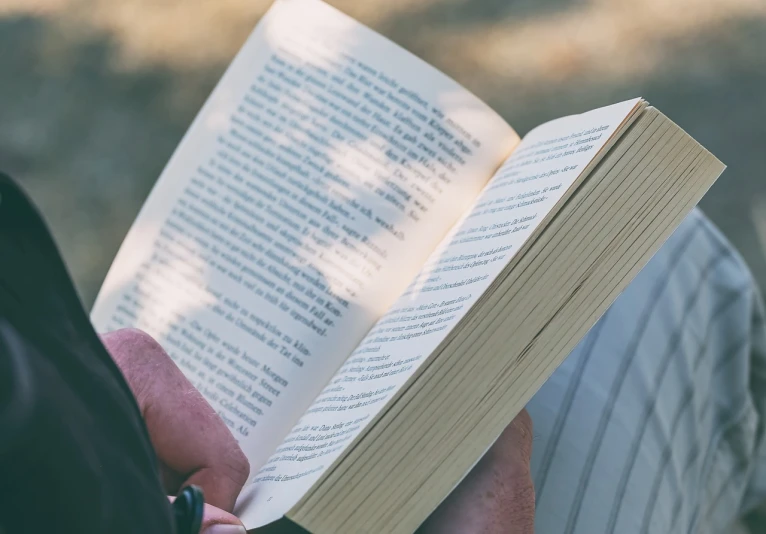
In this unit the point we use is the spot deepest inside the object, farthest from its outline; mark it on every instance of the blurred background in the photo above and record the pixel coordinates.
(95, 94)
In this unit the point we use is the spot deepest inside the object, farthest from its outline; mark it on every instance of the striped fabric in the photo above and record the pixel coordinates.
(655, 423)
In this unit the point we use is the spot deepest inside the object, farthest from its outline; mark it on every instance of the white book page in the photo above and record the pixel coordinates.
(525, 189)
(325, 167)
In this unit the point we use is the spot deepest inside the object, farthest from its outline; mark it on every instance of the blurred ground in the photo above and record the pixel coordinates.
(94, 95)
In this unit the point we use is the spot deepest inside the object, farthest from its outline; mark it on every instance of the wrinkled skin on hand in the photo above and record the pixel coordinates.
(497, 496)
(194, 446)
(192, 443)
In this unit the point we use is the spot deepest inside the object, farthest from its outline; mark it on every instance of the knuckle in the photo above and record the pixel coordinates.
(512, 452)
(142, 361)
(523, 434)
(241, 464)
(143, 342)
(132, 344)
(523, 422)
(237, 465)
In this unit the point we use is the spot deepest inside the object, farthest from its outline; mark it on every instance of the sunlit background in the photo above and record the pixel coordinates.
(95, 94)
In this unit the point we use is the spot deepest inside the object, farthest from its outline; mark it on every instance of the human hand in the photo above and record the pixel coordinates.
(497, 496)
(193, 444)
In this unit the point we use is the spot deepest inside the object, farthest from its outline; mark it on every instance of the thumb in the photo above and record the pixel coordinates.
(217, 521)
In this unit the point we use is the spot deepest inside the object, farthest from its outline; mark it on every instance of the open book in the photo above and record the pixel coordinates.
(367, 273)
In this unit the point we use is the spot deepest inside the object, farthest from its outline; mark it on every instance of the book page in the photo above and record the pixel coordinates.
(308, 192)
(522, 192)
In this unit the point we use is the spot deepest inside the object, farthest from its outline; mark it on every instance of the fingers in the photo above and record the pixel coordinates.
(497, 496)
(512, 452)
(217, 521)
(190, 439)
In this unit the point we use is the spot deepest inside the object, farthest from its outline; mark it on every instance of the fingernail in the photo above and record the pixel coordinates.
(218, 528)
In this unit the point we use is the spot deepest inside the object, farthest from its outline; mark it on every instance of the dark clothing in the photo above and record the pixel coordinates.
(75, 455)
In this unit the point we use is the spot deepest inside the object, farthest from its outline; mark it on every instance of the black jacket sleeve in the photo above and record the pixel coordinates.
(75, 455)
